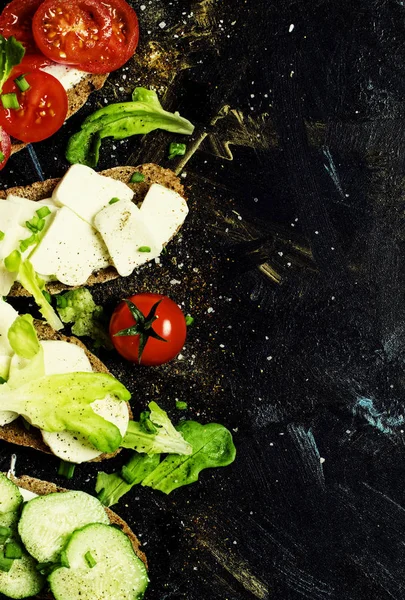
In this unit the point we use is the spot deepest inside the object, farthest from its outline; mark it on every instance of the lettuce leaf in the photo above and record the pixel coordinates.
(63, 403)
(11, 54)
(30, 281)
(29, 362)
(143, 115)
(165, 438)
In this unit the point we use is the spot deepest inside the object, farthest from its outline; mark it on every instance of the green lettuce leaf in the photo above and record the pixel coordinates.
(11, 54)
(29, 363)
(63, 403)
(212, 447)
(143, 115)
(30, 281)
(165, 437)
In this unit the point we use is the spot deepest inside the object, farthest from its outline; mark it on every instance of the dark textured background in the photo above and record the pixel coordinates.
(296, 240)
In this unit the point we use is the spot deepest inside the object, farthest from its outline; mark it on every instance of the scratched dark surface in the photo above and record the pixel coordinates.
(292, 264)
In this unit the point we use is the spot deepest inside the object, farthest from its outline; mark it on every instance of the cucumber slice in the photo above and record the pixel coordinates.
(10, 502)
(117, 573)
(47, 521)
(22, 580)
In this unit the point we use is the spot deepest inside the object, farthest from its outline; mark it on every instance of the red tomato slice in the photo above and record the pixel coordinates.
(43, 107)
(33, 61)
(123, 41)
(5, 148)
(16, 19)
(169, 325)
(72, 32)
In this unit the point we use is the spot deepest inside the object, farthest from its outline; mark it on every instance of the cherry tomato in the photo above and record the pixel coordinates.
(73, 31)
(16, 19)
(33, 61)
(43, 107)
(5, 148)
(163, 336)
(123, 41)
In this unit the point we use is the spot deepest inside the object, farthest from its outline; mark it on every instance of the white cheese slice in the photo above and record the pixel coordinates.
(67, 76)
(164, 212)
(86, 192)
(70, 249)
(124, 232)
(29, 208)
(63, 357)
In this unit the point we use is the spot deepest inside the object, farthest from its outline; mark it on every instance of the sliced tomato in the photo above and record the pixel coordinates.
(34, 61)
(16, 19)
(43, 107)
(5, 148)
(123, 41)
(72, 32)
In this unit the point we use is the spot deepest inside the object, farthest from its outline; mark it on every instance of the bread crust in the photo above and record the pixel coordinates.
(16, 433)
(45, 487)
(41, 190)
(77, 96)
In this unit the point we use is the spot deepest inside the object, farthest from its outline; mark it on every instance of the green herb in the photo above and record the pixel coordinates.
(137, 177)
(111, 487)
(144, 249)
(66, 469)
(22, 83)
(12, 261)
(189, 320)
(164, 438)
(87, 318)
(43, 212)
(11, 54)
(176, 149)
(10, 101)
(90, 559)
(114, 200)
(181, 405)
(24, 244)
(2, 234)
(122, 120)
(12, 550)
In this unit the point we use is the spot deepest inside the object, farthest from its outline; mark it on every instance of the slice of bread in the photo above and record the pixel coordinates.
(43, 189)
(77, 96)
(16, 433)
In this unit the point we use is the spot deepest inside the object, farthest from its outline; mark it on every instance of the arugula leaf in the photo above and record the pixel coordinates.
(111, 488)
(212, 447)
(11, 54)
(63, 403)
(165, 439)
(122, 120)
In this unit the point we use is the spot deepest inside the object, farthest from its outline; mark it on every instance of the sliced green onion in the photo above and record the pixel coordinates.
(176, 149)
(5, 563)
(90, 559)
(2, 234)
(5, 533)
(61, 301)
(40, 224)
(144, 249)
(12, 550)
(181, 405)
(10, 101)
(2, 156)
(66, 469)
(47, 296)
(43, 212)
(12, 261)
(189, 320)
(114, 200)
(137, 177)
(24, 244)
(22, 83)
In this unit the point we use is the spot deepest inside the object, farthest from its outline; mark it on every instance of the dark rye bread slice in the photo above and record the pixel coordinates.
(16, 433)
(45, 487)
(43, 189)
(77, 96)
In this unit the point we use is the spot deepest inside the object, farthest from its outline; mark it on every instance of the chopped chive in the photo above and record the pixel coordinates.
(2, 156)
(12, 550)
(12, 261)
(144, 249)
(24, 244)
(22, 83)
(43, 212)
(5, 563)
(2, 234)
(189, 320)
(176, 149)
(114, 200)
(40, 224)
(90, 559)
(10, 101)
(137, 177)
(31, 226)
(47, 296)
(66, 469)
(5, 533)
(61, 301)
(181, 405)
